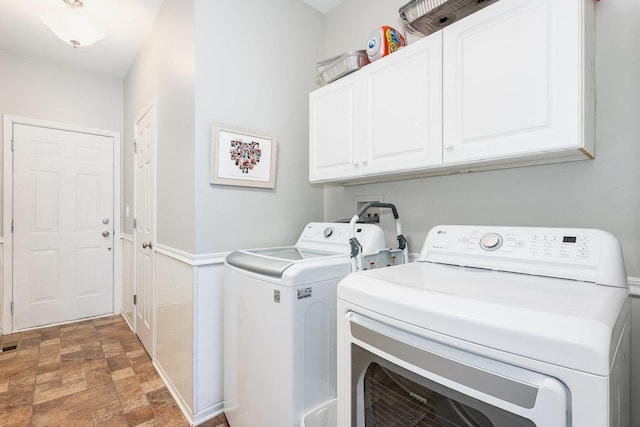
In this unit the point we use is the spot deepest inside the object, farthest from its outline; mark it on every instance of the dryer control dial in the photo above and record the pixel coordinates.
(491, 241)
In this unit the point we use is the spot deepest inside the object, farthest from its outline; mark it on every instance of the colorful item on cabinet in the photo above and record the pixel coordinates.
(383, 41)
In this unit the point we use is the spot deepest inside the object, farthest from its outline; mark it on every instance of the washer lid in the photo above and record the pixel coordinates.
(321, 253)
(559, 321)
(272, 262)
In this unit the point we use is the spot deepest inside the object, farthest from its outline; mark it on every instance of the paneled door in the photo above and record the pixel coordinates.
(513, 81)
(144, 227)
(63, 215)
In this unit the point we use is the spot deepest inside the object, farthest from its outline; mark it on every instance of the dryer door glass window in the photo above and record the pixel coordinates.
(419, 382)
(391, 399)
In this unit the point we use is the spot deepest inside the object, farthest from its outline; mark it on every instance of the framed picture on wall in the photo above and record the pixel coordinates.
(240, 157)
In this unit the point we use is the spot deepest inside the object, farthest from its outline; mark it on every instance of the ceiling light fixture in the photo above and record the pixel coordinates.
(73, 24)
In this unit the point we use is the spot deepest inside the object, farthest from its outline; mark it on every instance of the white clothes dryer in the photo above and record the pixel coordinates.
(280, 324)
(493, 327)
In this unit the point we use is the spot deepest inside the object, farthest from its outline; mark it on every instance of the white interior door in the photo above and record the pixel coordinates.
(144, 228)
(63, 216)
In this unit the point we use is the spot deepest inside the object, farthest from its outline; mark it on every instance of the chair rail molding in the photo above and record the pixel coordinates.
(634, 286)
(191, 259)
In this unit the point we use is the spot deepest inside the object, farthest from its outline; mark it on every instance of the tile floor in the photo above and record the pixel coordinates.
(90, 373)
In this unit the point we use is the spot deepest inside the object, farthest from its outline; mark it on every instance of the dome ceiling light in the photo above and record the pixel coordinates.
(74, 24)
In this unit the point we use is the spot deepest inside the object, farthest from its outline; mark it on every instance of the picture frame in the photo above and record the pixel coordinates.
(241, 157)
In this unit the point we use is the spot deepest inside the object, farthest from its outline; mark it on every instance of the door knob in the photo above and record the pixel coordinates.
(105, 221)
(146, 245)
(105, 233)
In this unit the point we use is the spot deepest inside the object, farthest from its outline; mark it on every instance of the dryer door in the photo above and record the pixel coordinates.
(398, 378)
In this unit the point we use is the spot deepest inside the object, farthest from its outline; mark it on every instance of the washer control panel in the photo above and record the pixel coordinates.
(334, 237)
(576, 253)
(328, 232)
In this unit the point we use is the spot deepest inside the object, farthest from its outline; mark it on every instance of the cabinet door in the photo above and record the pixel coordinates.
(513, 80)
(333, 129)
(403, 116)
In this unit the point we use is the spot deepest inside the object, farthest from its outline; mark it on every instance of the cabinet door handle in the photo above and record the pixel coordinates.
(449, 147)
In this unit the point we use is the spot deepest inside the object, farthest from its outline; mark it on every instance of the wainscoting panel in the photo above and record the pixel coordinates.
(128, 278)
(2, 290)
(174, 324)
(209, 299)
(189, 303)
(634, 287)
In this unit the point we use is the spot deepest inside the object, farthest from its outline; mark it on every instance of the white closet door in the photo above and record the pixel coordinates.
(63, 226)
(144, 233)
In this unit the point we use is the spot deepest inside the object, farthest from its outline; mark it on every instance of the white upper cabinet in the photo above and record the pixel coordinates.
(334, 129)
(514, 82)
(510, 85)
(403, 113)
(382, 119)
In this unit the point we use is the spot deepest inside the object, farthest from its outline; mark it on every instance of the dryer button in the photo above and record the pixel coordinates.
(328, 232)
(491, 241)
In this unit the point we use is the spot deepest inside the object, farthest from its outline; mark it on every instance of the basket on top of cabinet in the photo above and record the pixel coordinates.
(429, 16)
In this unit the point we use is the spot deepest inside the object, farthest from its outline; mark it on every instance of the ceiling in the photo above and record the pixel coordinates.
(323, 6)
(127, 23)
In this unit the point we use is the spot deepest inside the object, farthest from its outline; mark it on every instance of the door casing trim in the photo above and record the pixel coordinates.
(6, 326)
(149, 107)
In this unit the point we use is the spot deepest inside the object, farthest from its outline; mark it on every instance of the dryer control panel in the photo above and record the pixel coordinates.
(573, 253)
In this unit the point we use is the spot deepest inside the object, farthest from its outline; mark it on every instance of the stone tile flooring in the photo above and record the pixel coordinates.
(90, 373)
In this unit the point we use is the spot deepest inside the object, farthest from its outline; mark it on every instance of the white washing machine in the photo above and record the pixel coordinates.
(494, 326)
(280, 324)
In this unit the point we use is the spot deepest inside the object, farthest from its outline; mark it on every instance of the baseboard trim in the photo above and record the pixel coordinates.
(184, 407)
(208, 414)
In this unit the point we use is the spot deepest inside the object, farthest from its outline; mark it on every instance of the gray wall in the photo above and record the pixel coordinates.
(246, 64)
(603, 193)
(37, 90)
(43, 91)
(165, 68)
(255, 66)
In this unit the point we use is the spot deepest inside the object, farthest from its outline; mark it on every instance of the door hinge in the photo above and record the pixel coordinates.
(12, 307)
(12, 226)
(135, 300)
(11, 144)
(135, 223)
(135, 146)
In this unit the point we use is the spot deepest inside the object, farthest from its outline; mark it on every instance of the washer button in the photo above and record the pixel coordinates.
(328, 232)
(490, 241)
